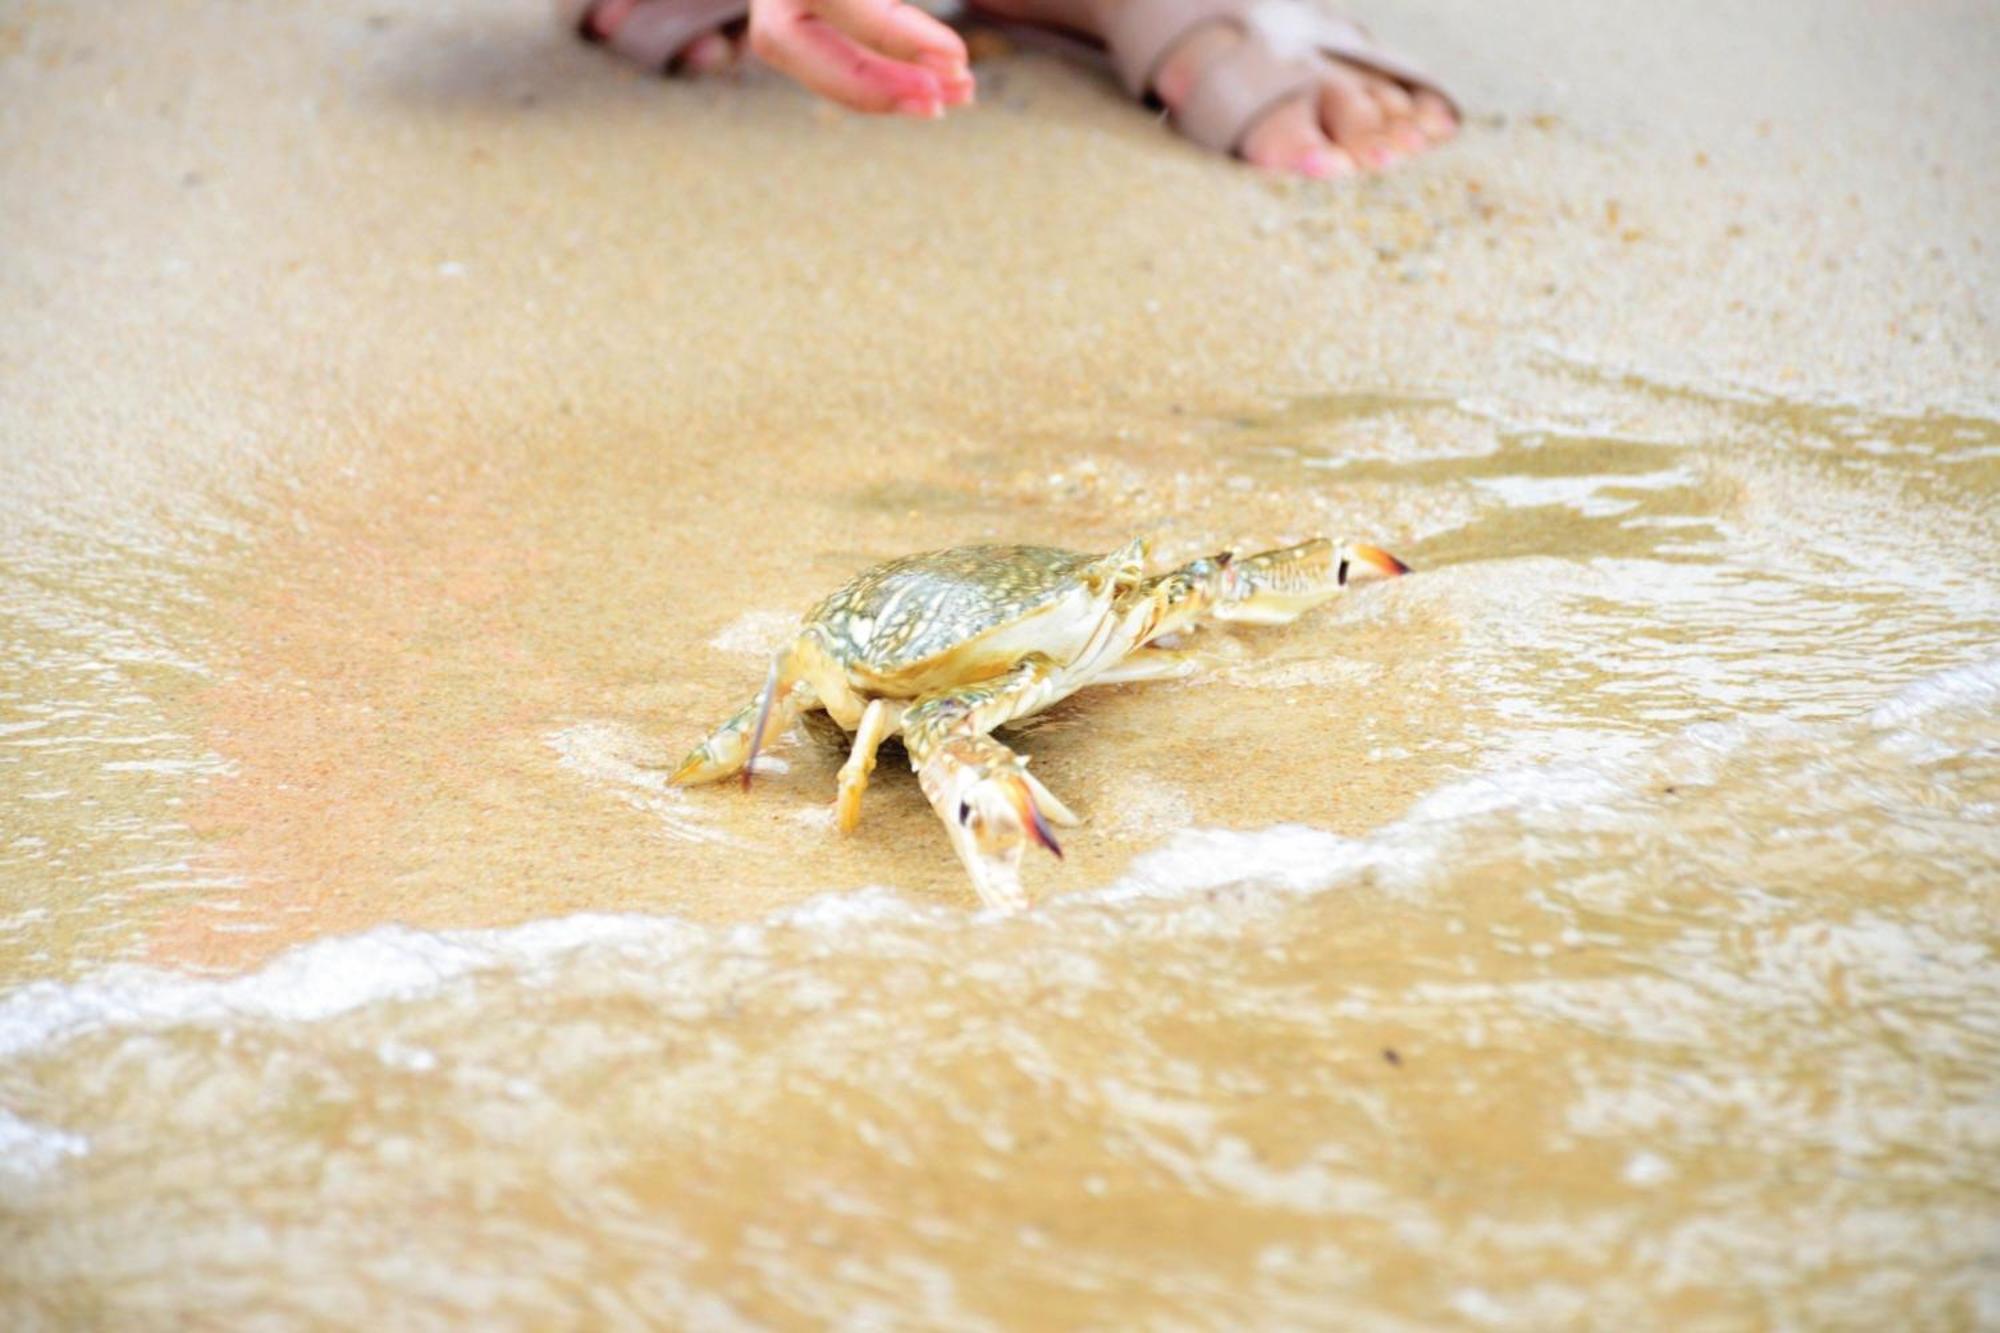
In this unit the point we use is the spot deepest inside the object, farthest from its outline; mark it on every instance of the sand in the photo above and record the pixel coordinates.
(415, 427)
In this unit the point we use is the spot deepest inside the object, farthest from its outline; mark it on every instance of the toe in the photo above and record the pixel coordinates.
(1360, 119)
(1434, 116)
(1184, 63)
(710, 53)
(602, 19)
(655, 34)
(1354, 120)
(1288, 139)
(1399, 121)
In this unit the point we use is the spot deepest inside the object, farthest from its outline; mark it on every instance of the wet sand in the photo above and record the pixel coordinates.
(384, 273)
(417, 426)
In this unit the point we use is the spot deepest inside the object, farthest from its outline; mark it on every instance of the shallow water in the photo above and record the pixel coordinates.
(1595, 928)
(1664, 988)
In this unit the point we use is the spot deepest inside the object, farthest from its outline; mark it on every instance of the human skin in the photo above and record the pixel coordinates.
(891, 58)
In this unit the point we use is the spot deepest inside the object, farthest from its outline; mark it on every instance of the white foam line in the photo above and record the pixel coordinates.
(329, 977)
(1976, 685)
(314, 981)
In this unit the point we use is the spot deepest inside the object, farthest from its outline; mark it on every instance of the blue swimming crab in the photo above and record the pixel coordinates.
(942, 648)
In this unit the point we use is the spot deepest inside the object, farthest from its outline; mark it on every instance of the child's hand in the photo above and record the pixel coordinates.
(872, 55)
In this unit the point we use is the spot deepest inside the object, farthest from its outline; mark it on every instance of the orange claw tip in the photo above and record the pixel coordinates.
(1378, 558)
(1033, 820)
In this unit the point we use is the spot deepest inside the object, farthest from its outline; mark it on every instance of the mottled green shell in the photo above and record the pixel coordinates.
(901, 616)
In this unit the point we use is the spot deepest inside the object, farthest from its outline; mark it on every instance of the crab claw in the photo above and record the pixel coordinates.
(1272, 587)
(1376, 557)
(1030, 815)
(982, 792)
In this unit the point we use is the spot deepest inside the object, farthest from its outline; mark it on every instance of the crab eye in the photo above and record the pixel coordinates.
(964, 813)
(1340, 575)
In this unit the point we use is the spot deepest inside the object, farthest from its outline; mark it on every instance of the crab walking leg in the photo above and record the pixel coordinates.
(1153, 664)
(726, 750)
(878, 720)
(803, 674)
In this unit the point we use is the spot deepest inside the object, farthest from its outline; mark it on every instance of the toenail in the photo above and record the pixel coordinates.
(924, 108)
(1320, 164)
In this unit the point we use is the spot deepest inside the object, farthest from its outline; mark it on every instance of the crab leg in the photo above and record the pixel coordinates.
(982, 792)
(990, 805)
(1273, 587)
(803, 674)
(878, 720)
(1152, 664)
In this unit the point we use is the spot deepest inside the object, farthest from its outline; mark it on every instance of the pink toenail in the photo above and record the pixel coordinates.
(1320, 164)
(924, 108)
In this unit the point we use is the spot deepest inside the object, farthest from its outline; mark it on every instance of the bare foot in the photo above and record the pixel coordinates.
(889, 56)
(1354, 120)
(657, 33)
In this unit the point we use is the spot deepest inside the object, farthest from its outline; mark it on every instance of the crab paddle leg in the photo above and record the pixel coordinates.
(878, 720)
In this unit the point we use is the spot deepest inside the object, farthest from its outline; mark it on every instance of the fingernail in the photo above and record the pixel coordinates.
(924, 108)
(943, 64)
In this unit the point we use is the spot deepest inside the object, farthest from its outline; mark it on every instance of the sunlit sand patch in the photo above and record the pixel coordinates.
(1304, 673)
(756, 633)
(635, 768)
(817, 817)
(1139, 803)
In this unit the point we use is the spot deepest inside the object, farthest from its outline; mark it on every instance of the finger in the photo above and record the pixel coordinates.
(833, 65)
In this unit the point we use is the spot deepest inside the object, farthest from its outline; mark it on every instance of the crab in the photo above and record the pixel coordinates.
(942, 648)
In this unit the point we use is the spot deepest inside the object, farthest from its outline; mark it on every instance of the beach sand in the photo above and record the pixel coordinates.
(395, 268)
(418, 426)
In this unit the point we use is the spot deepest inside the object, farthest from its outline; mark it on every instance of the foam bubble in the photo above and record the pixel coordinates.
(315, 981)
(28, 1150)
